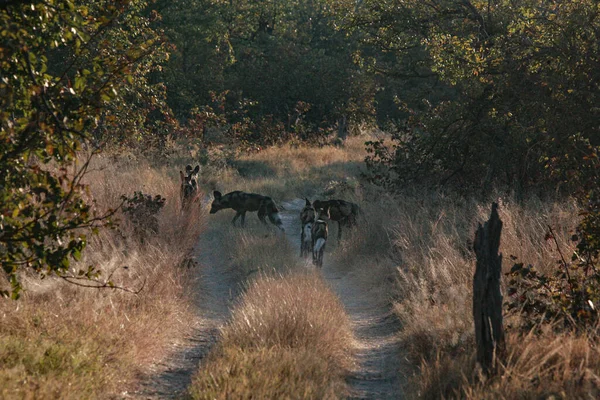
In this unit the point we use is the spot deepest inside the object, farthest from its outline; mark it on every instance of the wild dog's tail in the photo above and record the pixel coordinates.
(319, 244)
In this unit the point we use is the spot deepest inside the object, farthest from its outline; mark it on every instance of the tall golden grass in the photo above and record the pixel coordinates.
(288, 337)
(432, 242)
(285, 172)
(68, 342)
(417, 246)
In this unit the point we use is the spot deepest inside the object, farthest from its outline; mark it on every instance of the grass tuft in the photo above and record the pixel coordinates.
(288, 337)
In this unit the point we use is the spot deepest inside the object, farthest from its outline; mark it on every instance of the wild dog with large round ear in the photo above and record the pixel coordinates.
(189, 185)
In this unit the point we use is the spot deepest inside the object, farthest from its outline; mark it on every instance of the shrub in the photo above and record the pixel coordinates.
(142, 210)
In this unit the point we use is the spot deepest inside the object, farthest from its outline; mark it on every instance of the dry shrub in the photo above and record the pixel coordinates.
(68, 342)
(297, 311)
(288, 337)
(267, 373)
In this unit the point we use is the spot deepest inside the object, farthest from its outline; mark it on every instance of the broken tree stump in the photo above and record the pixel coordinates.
(487, 298)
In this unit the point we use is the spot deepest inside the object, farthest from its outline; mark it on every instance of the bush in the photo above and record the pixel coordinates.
(142, 210)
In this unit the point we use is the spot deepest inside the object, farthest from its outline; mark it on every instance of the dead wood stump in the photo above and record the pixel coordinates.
(487, 298)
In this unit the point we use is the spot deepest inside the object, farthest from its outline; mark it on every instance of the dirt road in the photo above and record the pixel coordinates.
(170, 378)
(377, 373)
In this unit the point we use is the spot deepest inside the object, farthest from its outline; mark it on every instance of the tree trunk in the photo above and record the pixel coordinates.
(487, 299)
(342, 129)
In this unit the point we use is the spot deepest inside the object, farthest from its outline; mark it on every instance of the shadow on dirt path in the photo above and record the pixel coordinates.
(215, 291)
(377, 374)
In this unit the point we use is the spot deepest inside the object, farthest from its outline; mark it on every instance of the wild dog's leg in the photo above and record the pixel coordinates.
(262, 213)
(352, 219)
(339, 230)
(321, 252)
(319, 256)
(243, 221)
(237, 215)
(302, 247)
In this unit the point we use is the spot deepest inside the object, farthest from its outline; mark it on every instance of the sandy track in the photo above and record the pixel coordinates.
(170, 378)
(377, 373)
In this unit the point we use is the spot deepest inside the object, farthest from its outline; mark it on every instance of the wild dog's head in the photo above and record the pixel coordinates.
(273, 213)
(322, 214)
(308, 213)
(317, 204)
(217, 203)
(189, 184)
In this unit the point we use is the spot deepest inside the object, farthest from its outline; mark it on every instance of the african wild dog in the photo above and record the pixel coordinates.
(242, 202)
(307, 217)
(189, 185)
(344, 212)
(319, 238)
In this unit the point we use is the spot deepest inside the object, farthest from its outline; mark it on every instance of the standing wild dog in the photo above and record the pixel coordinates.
(189, 185)
(344, 212)
(307, 217)
(242, 202)
(319, 238)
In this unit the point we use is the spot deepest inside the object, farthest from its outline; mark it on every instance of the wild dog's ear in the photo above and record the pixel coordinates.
(308, 202)
(188, 168)
(197, 169)
(182, 176)
(217, 194)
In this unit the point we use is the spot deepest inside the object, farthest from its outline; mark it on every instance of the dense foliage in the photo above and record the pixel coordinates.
(519, 80)
(474, 93)
(67, 71)
(283, 63)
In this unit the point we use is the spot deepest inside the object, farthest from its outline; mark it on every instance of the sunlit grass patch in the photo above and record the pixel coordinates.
(288, 337)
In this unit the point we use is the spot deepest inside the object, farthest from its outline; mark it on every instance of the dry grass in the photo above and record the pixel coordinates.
(431, 241)
(258, 249)
(285, 172)
(549, 366)
(288, 337)
(62, 341)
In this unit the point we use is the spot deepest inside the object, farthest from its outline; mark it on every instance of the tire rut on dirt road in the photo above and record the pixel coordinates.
(170, 378)
(377, 374)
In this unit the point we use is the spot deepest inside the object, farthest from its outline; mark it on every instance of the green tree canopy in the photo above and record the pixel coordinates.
(67, 69)
(519, 82)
